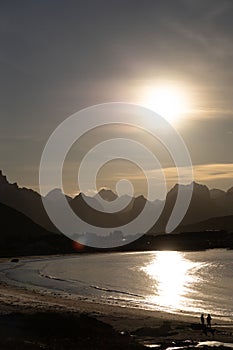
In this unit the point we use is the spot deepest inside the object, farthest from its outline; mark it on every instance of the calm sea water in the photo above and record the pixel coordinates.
(190, 282)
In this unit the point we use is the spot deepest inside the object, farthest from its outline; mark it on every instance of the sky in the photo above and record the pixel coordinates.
(58, 57)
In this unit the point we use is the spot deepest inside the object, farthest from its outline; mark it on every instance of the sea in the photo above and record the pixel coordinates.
(187, 283)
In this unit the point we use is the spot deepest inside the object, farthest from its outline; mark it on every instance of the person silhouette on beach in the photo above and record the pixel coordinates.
(208, 320)
(202, 320)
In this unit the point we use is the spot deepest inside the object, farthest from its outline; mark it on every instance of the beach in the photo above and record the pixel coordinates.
(33, 320)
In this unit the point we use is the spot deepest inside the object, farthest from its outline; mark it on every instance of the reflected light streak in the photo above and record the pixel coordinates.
(172, 277)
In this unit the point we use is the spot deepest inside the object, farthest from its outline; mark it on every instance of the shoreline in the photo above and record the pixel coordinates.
(135, 326)
(86, 303)
(173, 314)
(144, 327)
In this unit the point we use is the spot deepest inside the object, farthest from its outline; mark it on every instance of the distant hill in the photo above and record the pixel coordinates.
(21, 236)
(219, 223)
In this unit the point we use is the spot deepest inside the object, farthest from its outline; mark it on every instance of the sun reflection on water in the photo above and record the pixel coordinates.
(173, 276)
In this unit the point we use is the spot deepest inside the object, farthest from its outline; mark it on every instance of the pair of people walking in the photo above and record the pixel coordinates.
(208, 320)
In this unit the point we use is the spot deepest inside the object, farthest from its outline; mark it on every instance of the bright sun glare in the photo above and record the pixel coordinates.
(168, 101)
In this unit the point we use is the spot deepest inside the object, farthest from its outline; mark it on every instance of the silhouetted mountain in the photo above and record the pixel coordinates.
(55, 195)
(200, 208)
(218, 223)
(108, 195)
(229, 196)
(216, 193)
(224, 203)
(15, 225)
(20, 235)
(90, 210)
(205, 204)
(25, 201)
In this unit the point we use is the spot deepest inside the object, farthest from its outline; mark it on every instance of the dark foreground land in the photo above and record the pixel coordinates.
(53, 330)
(68, 331)
(20, 236)
(32, 321)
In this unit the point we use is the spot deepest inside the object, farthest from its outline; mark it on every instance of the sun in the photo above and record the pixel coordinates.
(167, 100)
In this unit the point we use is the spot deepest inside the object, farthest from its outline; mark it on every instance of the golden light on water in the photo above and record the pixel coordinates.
(172, 277)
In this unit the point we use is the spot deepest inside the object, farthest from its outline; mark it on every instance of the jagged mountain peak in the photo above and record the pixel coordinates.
(56, 194)
(3, 178)
(107, 194)
(197, 188)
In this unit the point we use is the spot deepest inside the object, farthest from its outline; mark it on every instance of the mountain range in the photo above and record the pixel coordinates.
(209, 208)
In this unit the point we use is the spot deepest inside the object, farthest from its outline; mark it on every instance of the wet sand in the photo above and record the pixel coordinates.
(31, 320)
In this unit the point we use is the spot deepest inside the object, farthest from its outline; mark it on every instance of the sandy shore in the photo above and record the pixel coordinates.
(130, 328)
